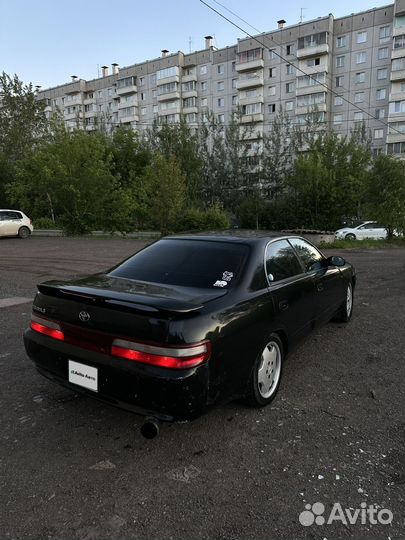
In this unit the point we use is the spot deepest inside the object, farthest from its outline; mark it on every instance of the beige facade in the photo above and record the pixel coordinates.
(349, 70)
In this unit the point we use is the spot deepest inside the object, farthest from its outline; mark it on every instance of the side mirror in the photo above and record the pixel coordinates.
(335, 260)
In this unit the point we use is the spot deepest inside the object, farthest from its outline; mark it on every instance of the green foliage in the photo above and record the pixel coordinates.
(165, 184)
(44, 223)
(385, 192)
(194, 219)
(361, 244)
(22, 120)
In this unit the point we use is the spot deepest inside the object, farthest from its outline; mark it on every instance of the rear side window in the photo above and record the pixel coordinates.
(281, 261)
(188, 263)
(309, 255)
(11, 215)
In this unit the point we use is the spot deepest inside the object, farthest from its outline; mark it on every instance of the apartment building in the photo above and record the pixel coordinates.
(340, 71)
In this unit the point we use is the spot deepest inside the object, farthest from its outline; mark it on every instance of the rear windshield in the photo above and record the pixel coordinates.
(188, 263)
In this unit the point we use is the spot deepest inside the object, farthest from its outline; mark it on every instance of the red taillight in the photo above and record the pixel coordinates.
(167, 357)
(46, 327)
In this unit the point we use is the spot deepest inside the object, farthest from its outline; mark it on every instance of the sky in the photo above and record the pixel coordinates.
(47, 41)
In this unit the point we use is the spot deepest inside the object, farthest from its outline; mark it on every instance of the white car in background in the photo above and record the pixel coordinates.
(368, 229)
(15, 223)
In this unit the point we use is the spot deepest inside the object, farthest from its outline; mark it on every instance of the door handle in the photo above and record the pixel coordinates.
(319, 286)
(283, 305)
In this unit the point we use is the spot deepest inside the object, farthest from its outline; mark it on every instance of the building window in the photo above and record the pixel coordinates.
(220, 69)
(233, 67)
(220, 86)
(399, 42)
(153, 78)
(383, 53)
(252, 108)
(155, 109)
(272, 72)
(221, 118)
(337, 118)
(359, 97)
(313, 62)
(340, 61)
(338, 101)
(271, 91)
(290, 70)
(399, 21)
(360, 77)
(167, 72)
(271, 107)
(360, 57)
(380, 113)
(381, 93)
(234, 100)
(290, 49)
(204, 102)
(189, 102)
(309, 100)
(141, 81)
(189, 86)
(382, 73)
(361, 37)
(289, 87)
(204, 85)
(358, 117)
(397, 107)
(385, 33)
(396, 148)
(154, 93)
(249, 56)
(143, 96)
(398, 64)
(221, 102)
(143, 111)
(167, 88)
(339, 81)
(289, 105)
(234, 81)
(311, 80)
(272, 54)
(378, 133)
(341, 42)
(203, 70)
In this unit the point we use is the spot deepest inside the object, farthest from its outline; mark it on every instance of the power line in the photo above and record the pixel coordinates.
(288, 62)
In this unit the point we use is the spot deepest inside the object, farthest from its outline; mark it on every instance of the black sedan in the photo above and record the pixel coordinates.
(188, 321)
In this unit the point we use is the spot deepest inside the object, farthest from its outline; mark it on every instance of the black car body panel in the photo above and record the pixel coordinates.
(235, 319)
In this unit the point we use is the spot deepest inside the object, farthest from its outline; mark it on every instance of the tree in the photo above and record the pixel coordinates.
(69, 178)
(166, 188)
(385, 193)
(22, 119)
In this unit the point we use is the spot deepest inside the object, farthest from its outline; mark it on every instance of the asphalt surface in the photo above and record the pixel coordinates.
(72, 468)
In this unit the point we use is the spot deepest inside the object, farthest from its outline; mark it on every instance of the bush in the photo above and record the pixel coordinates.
(202, 220)
(44, 223)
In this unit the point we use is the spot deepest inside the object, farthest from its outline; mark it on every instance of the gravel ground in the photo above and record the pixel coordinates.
(72, 468)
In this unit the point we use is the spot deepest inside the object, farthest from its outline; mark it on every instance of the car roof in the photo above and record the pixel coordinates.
(233, 235)
(10, 210)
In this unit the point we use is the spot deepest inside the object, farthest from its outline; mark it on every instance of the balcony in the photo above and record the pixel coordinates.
(397, 75)
(169, 97)
(256, 79)
(130, 103)
(252, 118)
(130, 89)
(398, 31)
(90, 114)
(310, 89)
(189, 78)
(396, 96)
(172, 110)
(189, 93)
(250, 100)
(167, 80)
(89, 101)
(129, 119)
(315, 50)
(187, 110)
(247, 66)
(306, 109)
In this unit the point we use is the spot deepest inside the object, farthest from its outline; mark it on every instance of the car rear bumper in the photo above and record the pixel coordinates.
(169, 395)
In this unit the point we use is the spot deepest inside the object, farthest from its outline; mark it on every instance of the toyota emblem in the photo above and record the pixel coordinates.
(84, 316)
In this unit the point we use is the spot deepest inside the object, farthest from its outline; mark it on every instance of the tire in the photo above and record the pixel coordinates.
(266, 374)
(24, 232)
(346, 310)
(350, 236)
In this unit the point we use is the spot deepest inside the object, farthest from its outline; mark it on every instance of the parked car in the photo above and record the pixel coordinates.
(367, 229)
(15, 223)
(187, 322)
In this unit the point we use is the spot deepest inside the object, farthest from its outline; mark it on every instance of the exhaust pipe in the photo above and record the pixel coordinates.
(150, 428)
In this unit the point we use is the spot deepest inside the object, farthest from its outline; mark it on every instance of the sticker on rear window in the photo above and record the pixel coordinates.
(220, 283)
(227, 276)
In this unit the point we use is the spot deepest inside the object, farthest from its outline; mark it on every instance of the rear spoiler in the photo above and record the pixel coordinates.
(137, 302)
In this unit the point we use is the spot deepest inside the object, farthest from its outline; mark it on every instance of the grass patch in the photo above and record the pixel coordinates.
(360, 244)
